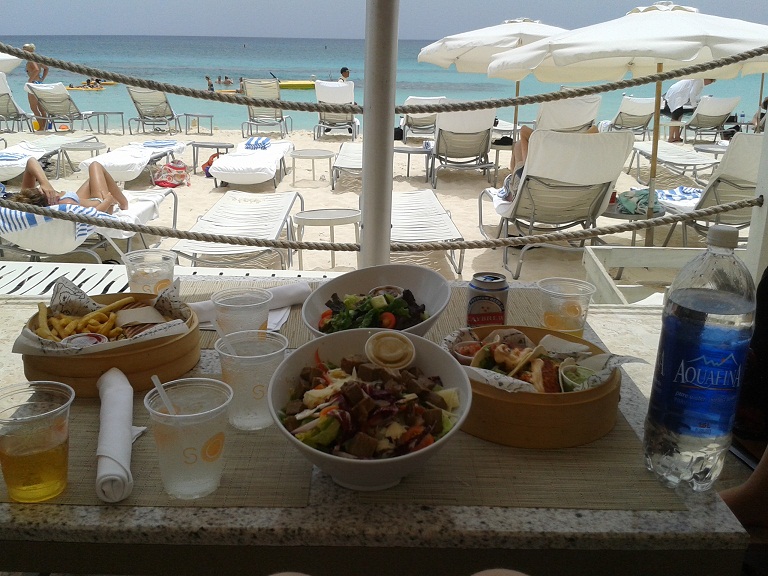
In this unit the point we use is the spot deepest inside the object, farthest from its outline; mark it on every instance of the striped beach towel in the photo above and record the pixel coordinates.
(15, 221)
(11, 156)
(159, 143)
(679, 193)
(257, 143)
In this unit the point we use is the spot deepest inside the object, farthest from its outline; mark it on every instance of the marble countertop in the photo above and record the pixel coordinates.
(705, 537)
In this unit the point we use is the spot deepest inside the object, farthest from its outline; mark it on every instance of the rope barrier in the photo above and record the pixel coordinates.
(576, 235)
(357, 109)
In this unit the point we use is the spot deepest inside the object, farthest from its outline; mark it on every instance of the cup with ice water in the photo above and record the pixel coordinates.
(190, 443)
(149, 271)
(239, 309)
(248, 360)
(564, 304)
(34, 439)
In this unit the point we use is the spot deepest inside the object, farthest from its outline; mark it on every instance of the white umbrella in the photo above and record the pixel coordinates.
(647, 40)
(473, 51)
(8, 63)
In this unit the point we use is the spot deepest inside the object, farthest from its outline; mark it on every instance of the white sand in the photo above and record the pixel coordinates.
(457, 190)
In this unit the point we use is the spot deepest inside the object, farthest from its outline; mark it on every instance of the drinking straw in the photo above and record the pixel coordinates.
(228, 348)
(163, 395)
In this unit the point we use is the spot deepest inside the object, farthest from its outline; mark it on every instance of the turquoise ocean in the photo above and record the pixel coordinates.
(185, 61)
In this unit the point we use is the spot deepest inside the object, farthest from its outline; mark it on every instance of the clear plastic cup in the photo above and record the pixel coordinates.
(149, 271)
(248, 360)
(239, 309)
(34, 439)
(564, 304)
(190, 443)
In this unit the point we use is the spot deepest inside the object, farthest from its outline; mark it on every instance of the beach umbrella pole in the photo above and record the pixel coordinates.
(654, 155)
(381, 18)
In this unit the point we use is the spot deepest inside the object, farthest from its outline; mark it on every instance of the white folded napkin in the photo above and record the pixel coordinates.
(283, 297)
(114, 481)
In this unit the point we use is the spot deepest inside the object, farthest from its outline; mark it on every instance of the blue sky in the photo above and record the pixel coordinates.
(419, 19)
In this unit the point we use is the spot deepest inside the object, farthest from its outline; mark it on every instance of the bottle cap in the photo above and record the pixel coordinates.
(723, 236)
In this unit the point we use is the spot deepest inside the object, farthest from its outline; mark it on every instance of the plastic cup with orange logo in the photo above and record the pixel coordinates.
(190, 443)
(564, 304)
(149, 271)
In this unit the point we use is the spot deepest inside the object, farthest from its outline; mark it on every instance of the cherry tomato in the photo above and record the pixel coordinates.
(387, 320)
(325, 317)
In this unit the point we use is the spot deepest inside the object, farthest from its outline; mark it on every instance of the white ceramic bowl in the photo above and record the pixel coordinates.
(367, 474)
(428, 287)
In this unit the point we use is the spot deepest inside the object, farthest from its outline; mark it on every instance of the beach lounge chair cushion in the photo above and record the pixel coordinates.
(127, 162)
(244, 166)
(13, 160)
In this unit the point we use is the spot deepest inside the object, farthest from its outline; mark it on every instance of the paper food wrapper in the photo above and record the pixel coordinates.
(68, 299)
(602, 364)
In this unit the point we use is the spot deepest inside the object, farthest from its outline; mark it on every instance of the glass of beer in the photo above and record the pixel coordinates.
(34, 439)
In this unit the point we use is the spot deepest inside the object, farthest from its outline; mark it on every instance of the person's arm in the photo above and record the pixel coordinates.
(44, 73)
(35, 175)
(695, 96)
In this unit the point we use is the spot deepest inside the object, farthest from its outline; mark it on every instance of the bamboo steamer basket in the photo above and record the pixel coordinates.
(534, 420)
(169, 358)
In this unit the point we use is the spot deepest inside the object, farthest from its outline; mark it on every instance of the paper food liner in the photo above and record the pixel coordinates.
(602, 364)
(68, 299)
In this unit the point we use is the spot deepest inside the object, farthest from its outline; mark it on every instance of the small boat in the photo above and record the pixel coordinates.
(86, 88)
(297, 84)
(104, 83)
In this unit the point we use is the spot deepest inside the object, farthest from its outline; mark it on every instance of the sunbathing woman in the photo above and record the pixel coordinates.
(99, 191)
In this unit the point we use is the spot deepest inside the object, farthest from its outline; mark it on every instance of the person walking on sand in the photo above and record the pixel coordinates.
(99, 191)
(36, 73)
(680, 94)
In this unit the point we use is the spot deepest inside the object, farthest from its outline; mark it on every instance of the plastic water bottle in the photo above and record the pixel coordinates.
(742, 117)
(706, 328)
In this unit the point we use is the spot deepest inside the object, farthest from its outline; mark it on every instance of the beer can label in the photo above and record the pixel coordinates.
(487, 299)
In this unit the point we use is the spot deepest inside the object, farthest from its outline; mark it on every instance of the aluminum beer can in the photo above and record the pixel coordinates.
(487, 301)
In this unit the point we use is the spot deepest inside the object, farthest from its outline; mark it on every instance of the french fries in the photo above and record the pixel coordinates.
(56, 327)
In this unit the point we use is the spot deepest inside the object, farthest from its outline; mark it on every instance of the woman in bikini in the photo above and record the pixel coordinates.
(99, 191)
(36, 73)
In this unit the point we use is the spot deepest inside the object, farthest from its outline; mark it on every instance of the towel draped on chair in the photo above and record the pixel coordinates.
(257, 143)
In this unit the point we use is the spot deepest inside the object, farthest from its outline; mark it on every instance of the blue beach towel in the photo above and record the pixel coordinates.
(159, 143)
(679, 193)
(257, 143)
(11, 156)
(16, 221)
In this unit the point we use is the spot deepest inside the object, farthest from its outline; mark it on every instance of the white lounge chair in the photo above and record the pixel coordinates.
(735, 178)
(571, 115)
(258, 117)
(246, 166)
(462, 141)
(264, 216)
(13, 160)
(128, 162)
(709, 117)
(11, 114)
(59, 108)
(562, 186)
(336, 93)
(418, 216)
(420, 124)
(153, 110)
(39, 237)
(677, 159)
(349, 160)
(634, 114)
